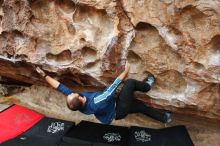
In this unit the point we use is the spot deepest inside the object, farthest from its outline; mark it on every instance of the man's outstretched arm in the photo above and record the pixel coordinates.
(54, 83)
(124, 74)
(103, 99)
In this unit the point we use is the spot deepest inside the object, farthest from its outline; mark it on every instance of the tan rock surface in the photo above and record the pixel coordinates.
(88, 41)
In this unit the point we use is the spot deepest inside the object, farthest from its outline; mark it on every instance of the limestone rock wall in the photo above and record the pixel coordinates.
(88, 42)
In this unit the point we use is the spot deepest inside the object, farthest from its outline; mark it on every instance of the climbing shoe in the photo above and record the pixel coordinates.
(150, 79)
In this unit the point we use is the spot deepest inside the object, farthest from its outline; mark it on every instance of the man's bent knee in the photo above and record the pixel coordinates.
(130, 81)
(121, 113)
(120, 116)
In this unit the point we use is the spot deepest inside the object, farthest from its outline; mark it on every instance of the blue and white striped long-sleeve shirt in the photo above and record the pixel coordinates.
(101, 104)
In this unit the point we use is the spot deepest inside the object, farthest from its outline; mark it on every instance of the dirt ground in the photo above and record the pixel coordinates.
(204, 132)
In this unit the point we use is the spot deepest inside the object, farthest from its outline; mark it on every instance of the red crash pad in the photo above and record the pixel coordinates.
(16, 120)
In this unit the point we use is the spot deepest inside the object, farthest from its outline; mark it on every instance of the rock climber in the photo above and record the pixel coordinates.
(105, 105)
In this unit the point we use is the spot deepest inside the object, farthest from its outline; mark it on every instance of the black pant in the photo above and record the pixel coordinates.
(126, 102)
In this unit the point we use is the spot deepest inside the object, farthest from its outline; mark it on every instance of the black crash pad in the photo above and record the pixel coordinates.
(50, 127)
(172, 136)
(175, 136)
(98, 134)
(30, 141)
(139, 136)
(75, 142)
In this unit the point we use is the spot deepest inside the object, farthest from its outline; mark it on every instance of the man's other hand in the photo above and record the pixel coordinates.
(127, 66)
(40, 71)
